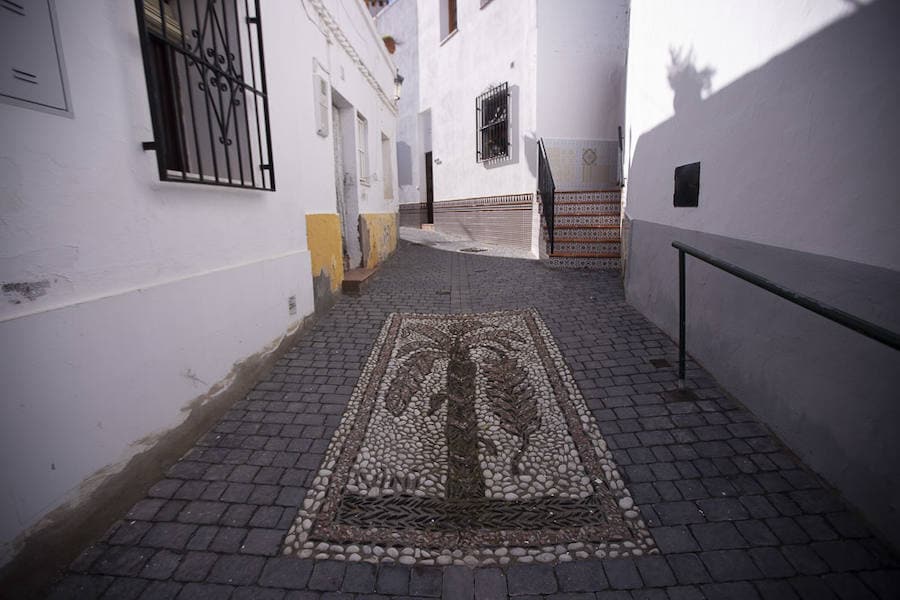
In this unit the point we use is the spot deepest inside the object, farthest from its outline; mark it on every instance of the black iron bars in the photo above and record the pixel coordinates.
(206, 79)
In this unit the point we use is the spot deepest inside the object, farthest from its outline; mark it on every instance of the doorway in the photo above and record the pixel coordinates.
(429, 190)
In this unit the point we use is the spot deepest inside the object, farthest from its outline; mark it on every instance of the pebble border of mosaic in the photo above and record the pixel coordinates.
(619, 531)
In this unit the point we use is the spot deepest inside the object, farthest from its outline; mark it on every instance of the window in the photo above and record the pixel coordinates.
(448, 17)
(492, 116)
(203, 61)
(362, 142)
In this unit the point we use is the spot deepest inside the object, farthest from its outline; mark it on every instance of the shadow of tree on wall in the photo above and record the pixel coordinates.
(690, 84)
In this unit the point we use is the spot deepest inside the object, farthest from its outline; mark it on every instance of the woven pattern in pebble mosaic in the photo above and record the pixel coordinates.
(467, 441)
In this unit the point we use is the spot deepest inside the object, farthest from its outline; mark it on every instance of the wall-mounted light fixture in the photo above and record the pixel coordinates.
(398, 85)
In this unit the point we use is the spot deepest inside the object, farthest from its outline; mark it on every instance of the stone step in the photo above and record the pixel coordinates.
(588, 262)
(589, 232)
(588, 247)
(589, 196)
(595, 210)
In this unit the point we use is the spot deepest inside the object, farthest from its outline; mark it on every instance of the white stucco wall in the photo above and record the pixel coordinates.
(494, 44)
(791, 110)
(400, 20)
(581, 50)
(155, 289)
(344, 75)
(795, 132)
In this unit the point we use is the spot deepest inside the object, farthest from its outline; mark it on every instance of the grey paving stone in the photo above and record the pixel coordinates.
(845, 555)
(581, 576)
(161, 590)
(655, 571)
(490, 583)
(428, 581)
(327, 575)
(688, 568)
(530, 579)
(718, 536)
(161, 565)
(779, 589)
(123, 561)
(459, 584)
(730, 591)
(622, 574)
(174, 536)
(265, 542)
(392, 579)
(771, 562)
(257, 593)
(805, 560)
(685, 592)
(674, 539)
(812, 588)
(236, 570)
(678, 513)
(359, 578)
(195, 566)
(125, 588)
(205, 591)
(848, 586)
(288, 573)
(730, 565)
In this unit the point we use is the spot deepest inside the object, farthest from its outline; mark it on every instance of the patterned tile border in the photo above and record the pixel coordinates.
(467, 441)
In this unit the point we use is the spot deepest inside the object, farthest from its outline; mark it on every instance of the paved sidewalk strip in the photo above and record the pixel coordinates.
(734, 514)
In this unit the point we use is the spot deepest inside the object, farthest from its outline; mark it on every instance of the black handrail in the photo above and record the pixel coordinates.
(546, 189)
(868, 329)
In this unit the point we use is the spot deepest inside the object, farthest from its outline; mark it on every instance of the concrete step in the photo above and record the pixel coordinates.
(355, 280)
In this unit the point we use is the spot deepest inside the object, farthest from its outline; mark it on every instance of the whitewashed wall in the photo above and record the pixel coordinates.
(791, 110)
(400, 20)
(581, 50)
(786, 160)
(154, 289)
(493, 44)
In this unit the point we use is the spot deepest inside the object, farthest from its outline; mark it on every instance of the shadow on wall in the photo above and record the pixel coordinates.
(800, 153)
(689, 83)
(404, 164)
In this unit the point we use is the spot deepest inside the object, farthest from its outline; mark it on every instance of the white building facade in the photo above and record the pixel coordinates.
(559, 68)
(158, 247)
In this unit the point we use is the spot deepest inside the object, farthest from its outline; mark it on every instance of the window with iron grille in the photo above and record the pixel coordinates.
(206, 79)
(492, 116)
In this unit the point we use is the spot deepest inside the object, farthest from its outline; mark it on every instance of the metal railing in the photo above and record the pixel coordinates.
(206, 80)
(868, 329)
(546, 189)
(492, 116)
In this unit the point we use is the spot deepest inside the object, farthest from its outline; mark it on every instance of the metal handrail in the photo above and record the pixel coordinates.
(867, 328)
(547, 190)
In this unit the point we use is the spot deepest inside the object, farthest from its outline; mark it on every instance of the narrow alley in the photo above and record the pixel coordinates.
(731, 513)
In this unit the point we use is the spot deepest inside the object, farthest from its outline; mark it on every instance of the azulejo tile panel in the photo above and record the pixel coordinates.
(467, 441)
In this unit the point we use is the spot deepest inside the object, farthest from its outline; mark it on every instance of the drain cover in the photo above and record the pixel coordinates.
(474, 250)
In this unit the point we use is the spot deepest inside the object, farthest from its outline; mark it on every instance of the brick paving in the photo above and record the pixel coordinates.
(734, 513)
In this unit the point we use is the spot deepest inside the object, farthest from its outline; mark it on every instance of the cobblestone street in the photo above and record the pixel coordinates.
(732, 512)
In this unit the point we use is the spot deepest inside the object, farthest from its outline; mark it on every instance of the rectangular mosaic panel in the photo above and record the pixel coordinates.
(467, 441)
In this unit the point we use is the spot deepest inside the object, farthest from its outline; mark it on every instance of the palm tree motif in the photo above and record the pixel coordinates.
(510, 393)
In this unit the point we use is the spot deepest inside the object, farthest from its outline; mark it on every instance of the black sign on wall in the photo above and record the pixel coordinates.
(687, 185)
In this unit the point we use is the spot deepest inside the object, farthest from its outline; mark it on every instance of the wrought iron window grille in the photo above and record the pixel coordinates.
(492, 120)
(206, 80)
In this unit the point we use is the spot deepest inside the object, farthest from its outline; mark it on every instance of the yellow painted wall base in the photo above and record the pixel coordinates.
(378, 233)
(323, 236)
